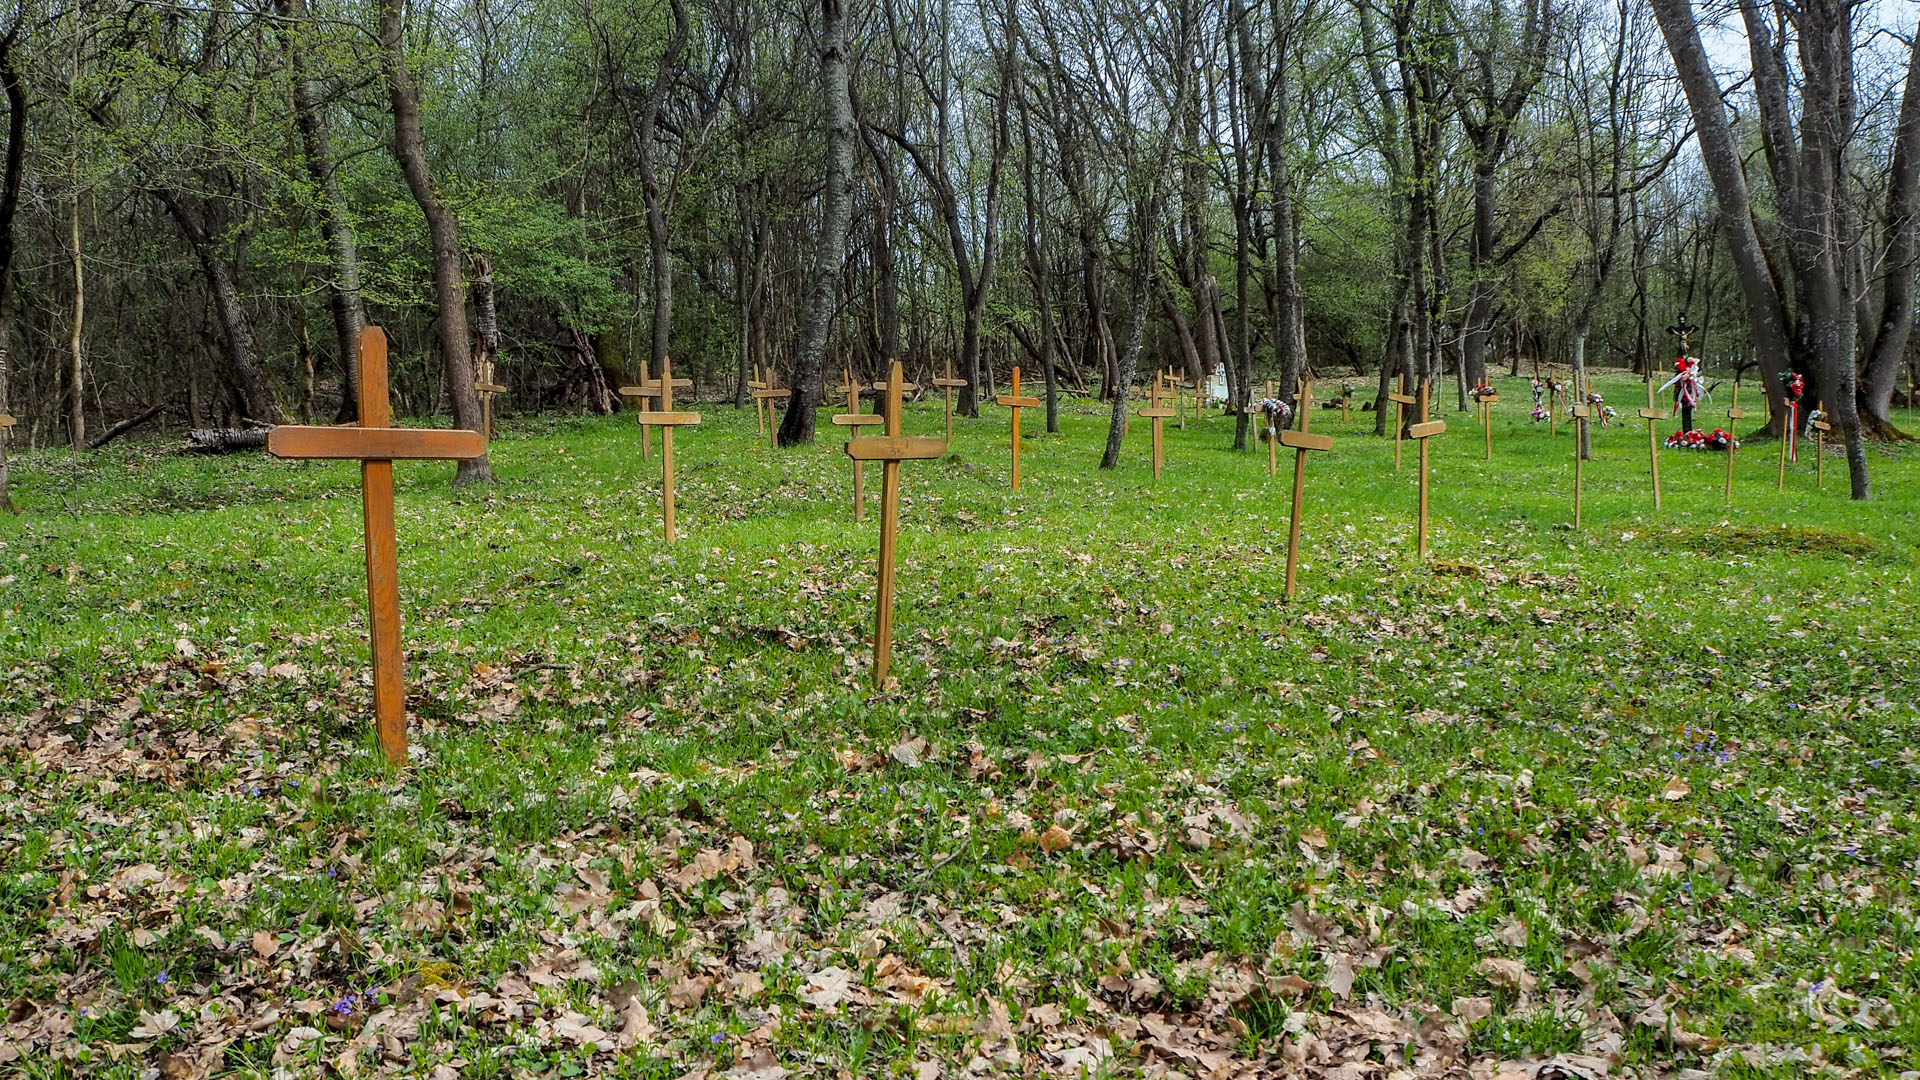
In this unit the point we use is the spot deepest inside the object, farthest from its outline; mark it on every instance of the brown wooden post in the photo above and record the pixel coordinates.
(1553, 408)
(1581, 413)
(1400, 402)
(949, 384)
(486, 387)
(642, 395)
(1487, 402)
(1734, 414)
(1653, 416)
(770, 394)
(1015, 402)
(378, 445)
(1424, 430)
(890, 449)
(758, 382)
(1158, 413)
(1820, 429)
(1302, 441)
(666, 420)
(856, 419)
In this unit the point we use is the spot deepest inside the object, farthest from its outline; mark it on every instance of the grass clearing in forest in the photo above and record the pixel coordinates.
(1639, 797)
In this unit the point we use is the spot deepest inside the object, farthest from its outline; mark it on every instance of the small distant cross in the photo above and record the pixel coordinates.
(1581, 414)
(769, 394)
(1158, 413)
(486, 387)
(1820, 429)
(1015, 402)
(1653, 416)
(758, 382)
(1734, 413)
(643, 393)
(1302, 441)
(1423, 431)
(378, 445)
(856, 419)
(666, 420)
(949, 384)
(891, 449)
(1488, 399)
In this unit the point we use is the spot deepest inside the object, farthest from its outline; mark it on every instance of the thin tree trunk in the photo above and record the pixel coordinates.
(10, 182)
(650, 193)
(443, 226)
(829, 251)
(76, 372)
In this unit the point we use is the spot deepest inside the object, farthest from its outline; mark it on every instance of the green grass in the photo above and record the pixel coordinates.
(1666, 763)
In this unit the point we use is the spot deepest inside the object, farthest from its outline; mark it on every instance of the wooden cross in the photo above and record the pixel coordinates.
(1653, 416)
(666, 420)
(1345, 400)
(643, 395)
(770, 394)
(1015, 402)
(1158, 413)
(1820, 429)
(1487, 402)
(1581, 413)
(758, 382)
(377, 444)
(891, 449)
(949, 384)
(1424, 430)
(484, 385)
(1734, 414)
(856, 419)
(1553, 408)
(1180, 388)
(1400, 402)
(1301, 441)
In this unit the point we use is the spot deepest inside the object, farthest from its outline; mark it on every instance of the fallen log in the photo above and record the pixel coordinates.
(226, 440)
(125, 426)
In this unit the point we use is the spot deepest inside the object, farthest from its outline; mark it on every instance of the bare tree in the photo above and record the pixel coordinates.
(830, 244)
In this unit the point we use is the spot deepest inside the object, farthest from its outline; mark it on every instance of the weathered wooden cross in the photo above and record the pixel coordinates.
(666, 420)
(1302, 441)
(378, 445)
(1820, 429)
(758, 382)
(891, 449)
(1734, 414)
(1581, 413)
(1400, 402)
(949, 384)
(1015, 402)
(1424, 430)
(643, 394)
(1487, 402)
(1158, 413)
(1653, 417)
(486, 387)
(854, 418)
(770, 394)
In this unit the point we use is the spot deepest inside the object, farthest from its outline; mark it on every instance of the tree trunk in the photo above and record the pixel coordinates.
(1902, 222)
(10, 183)
(343, 250)
(650, 193)
(829, 250)
(76, 372)
(443, 226)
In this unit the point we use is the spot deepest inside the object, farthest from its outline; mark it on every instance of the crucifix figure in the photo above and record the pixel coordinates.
(1686, 381)
(484, 385)
(1158, 413)
(1400, 402)
(949, 384)
(1302, 441)
(378, 445)
(856, 419)
(1015, 402)
(1653, 416)
(666, 420)
(890, 449)
(770, 394)
(1734, 414)
(1424, 430)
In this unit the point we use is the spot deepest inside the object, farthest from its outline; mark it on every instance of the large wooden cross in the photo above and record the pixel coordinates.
(1734, 414)
(758, 382)
(1581, 414)
(1423, 431)
(643, 394)
(1400, 402)
(1015, 402)
(949, 384)
(770, 394)
(486, 387)
(1158, 413)
(1487, 402)
(378, 445)
(856, 419)
(666, 420)
(1653, 417)
(1302, 441)
(891, 449)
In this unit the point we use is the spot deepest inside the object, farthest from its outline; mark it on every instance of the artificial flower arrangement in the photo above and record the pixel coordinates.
(1277, 413)
(1539, 412)
(1717, 439)
(1600, 408)
(1482, 391)
(1793, 387)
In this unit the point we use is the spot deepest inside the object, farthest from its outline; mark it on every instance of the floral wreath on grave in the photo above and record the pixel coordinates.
(1482, 391)
(1717, 439)
(1599, 406)
(1687, 379)
(1539, 412)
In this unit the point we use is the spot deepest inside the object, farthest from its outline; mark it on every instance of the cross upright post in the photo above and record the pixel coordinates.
(890, 449)
(666, 420)
(1580, 415)
(1423, 431)
(486, 387)
(643, 393)
(1400, 400)
(1158, 413)
(1653, 416)
(1820, 428)
(758, 382)
(1302, 441)
(1734, 413)
(1015, 402)
(770, 394)
(856, 420)
(377, 445)
(949, 384)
